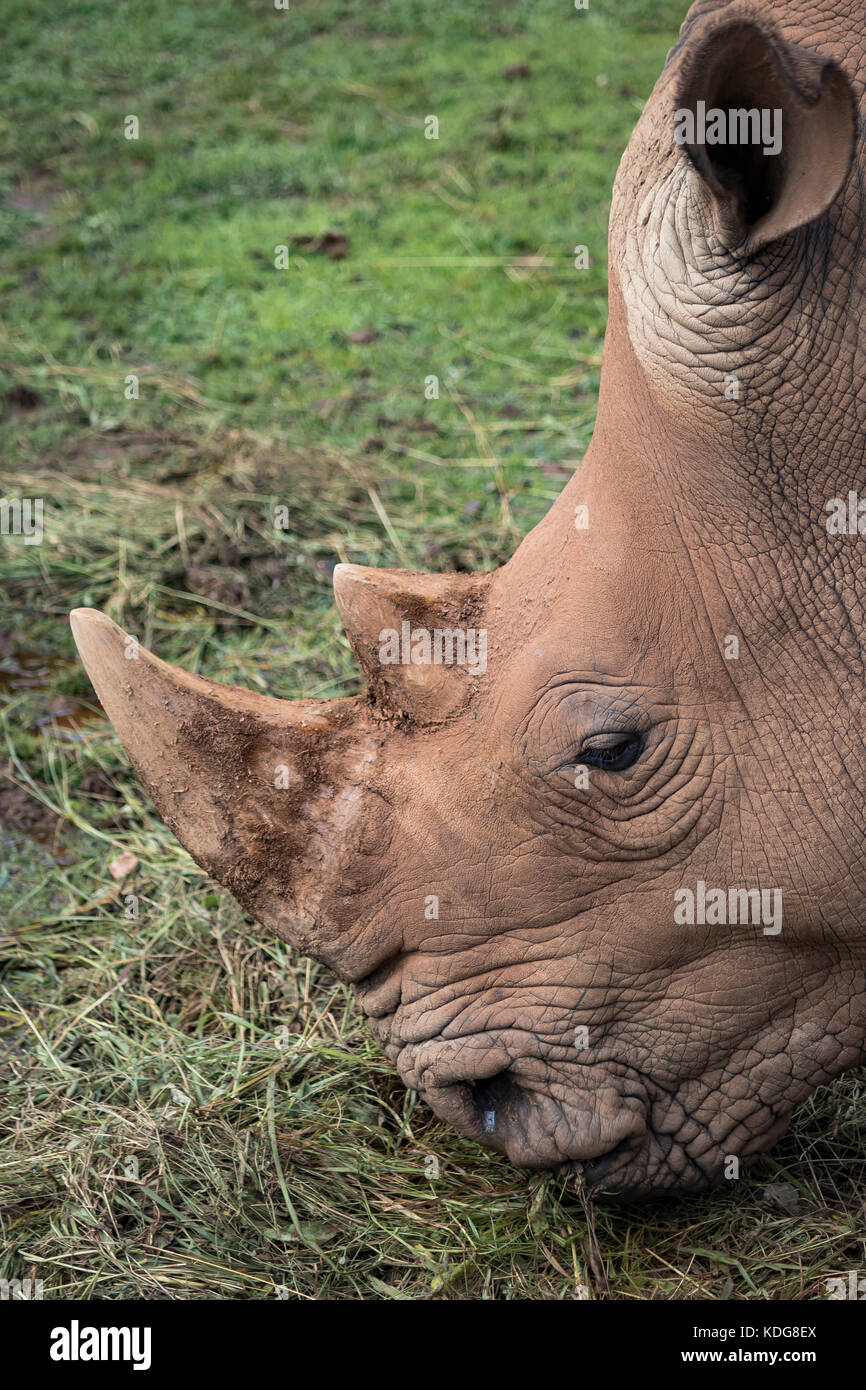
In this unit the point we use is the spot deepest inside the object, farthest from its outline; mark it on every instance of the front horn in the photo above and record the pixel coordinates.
(267, 795)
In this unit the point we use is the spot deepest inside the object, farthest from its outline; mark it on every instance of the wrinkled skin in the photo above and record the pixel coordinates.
(556, 901)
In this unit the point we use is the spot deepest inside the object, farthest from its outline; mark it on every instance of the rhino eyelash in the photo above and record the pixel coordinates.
(617, 754)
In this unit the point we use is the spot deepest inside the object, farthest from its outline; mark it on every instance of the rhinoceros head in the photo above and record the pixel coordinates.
(590, 847)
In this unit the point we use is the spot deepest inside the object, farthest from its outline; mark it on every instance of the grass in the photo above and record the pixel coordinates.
(188, 1110)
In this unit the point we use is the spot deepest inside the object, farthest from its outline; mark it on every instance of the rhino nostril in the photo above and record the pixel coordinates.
(493, 1096)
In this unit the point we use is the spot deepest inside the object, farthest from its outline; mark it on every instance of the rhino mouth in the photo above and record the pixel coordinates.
(523, 1090)
(510, 1113)
(607, 1137)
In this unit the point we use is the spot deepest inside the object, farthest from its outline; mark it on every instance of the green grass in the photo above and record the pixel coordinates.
(189, 1110)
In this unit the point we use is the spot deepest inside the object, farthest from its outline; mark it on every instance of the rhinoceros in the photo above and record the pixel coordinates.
(590, 846)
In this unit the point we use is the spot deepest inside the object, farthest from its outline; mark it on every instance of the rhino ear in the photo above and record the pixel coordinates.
(418, 637)
(767, 182)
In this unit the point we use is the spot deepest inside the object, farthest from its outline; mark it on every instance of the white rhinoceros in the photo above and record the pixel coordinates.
(591, 845)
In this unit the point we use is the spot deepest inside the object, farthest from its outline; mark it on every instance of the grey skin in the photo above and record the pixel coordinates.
(698, 647)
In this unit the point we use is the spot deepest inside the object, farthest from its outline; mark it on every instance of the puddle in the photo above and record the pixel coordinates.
(22, 817)
(29, 670)
(66, 712)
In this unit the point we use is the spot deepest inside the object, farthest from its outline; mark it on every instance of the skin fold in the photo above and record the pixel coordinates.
(509, 924)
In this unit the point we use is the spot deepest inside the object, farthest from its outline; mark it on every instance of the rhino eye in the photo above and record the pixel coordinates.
(612, 752)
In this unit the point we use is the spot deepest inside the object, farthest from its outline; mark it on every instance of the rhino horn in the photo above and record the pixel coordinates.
(758, 192)
(265, 794)
(418, 637)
